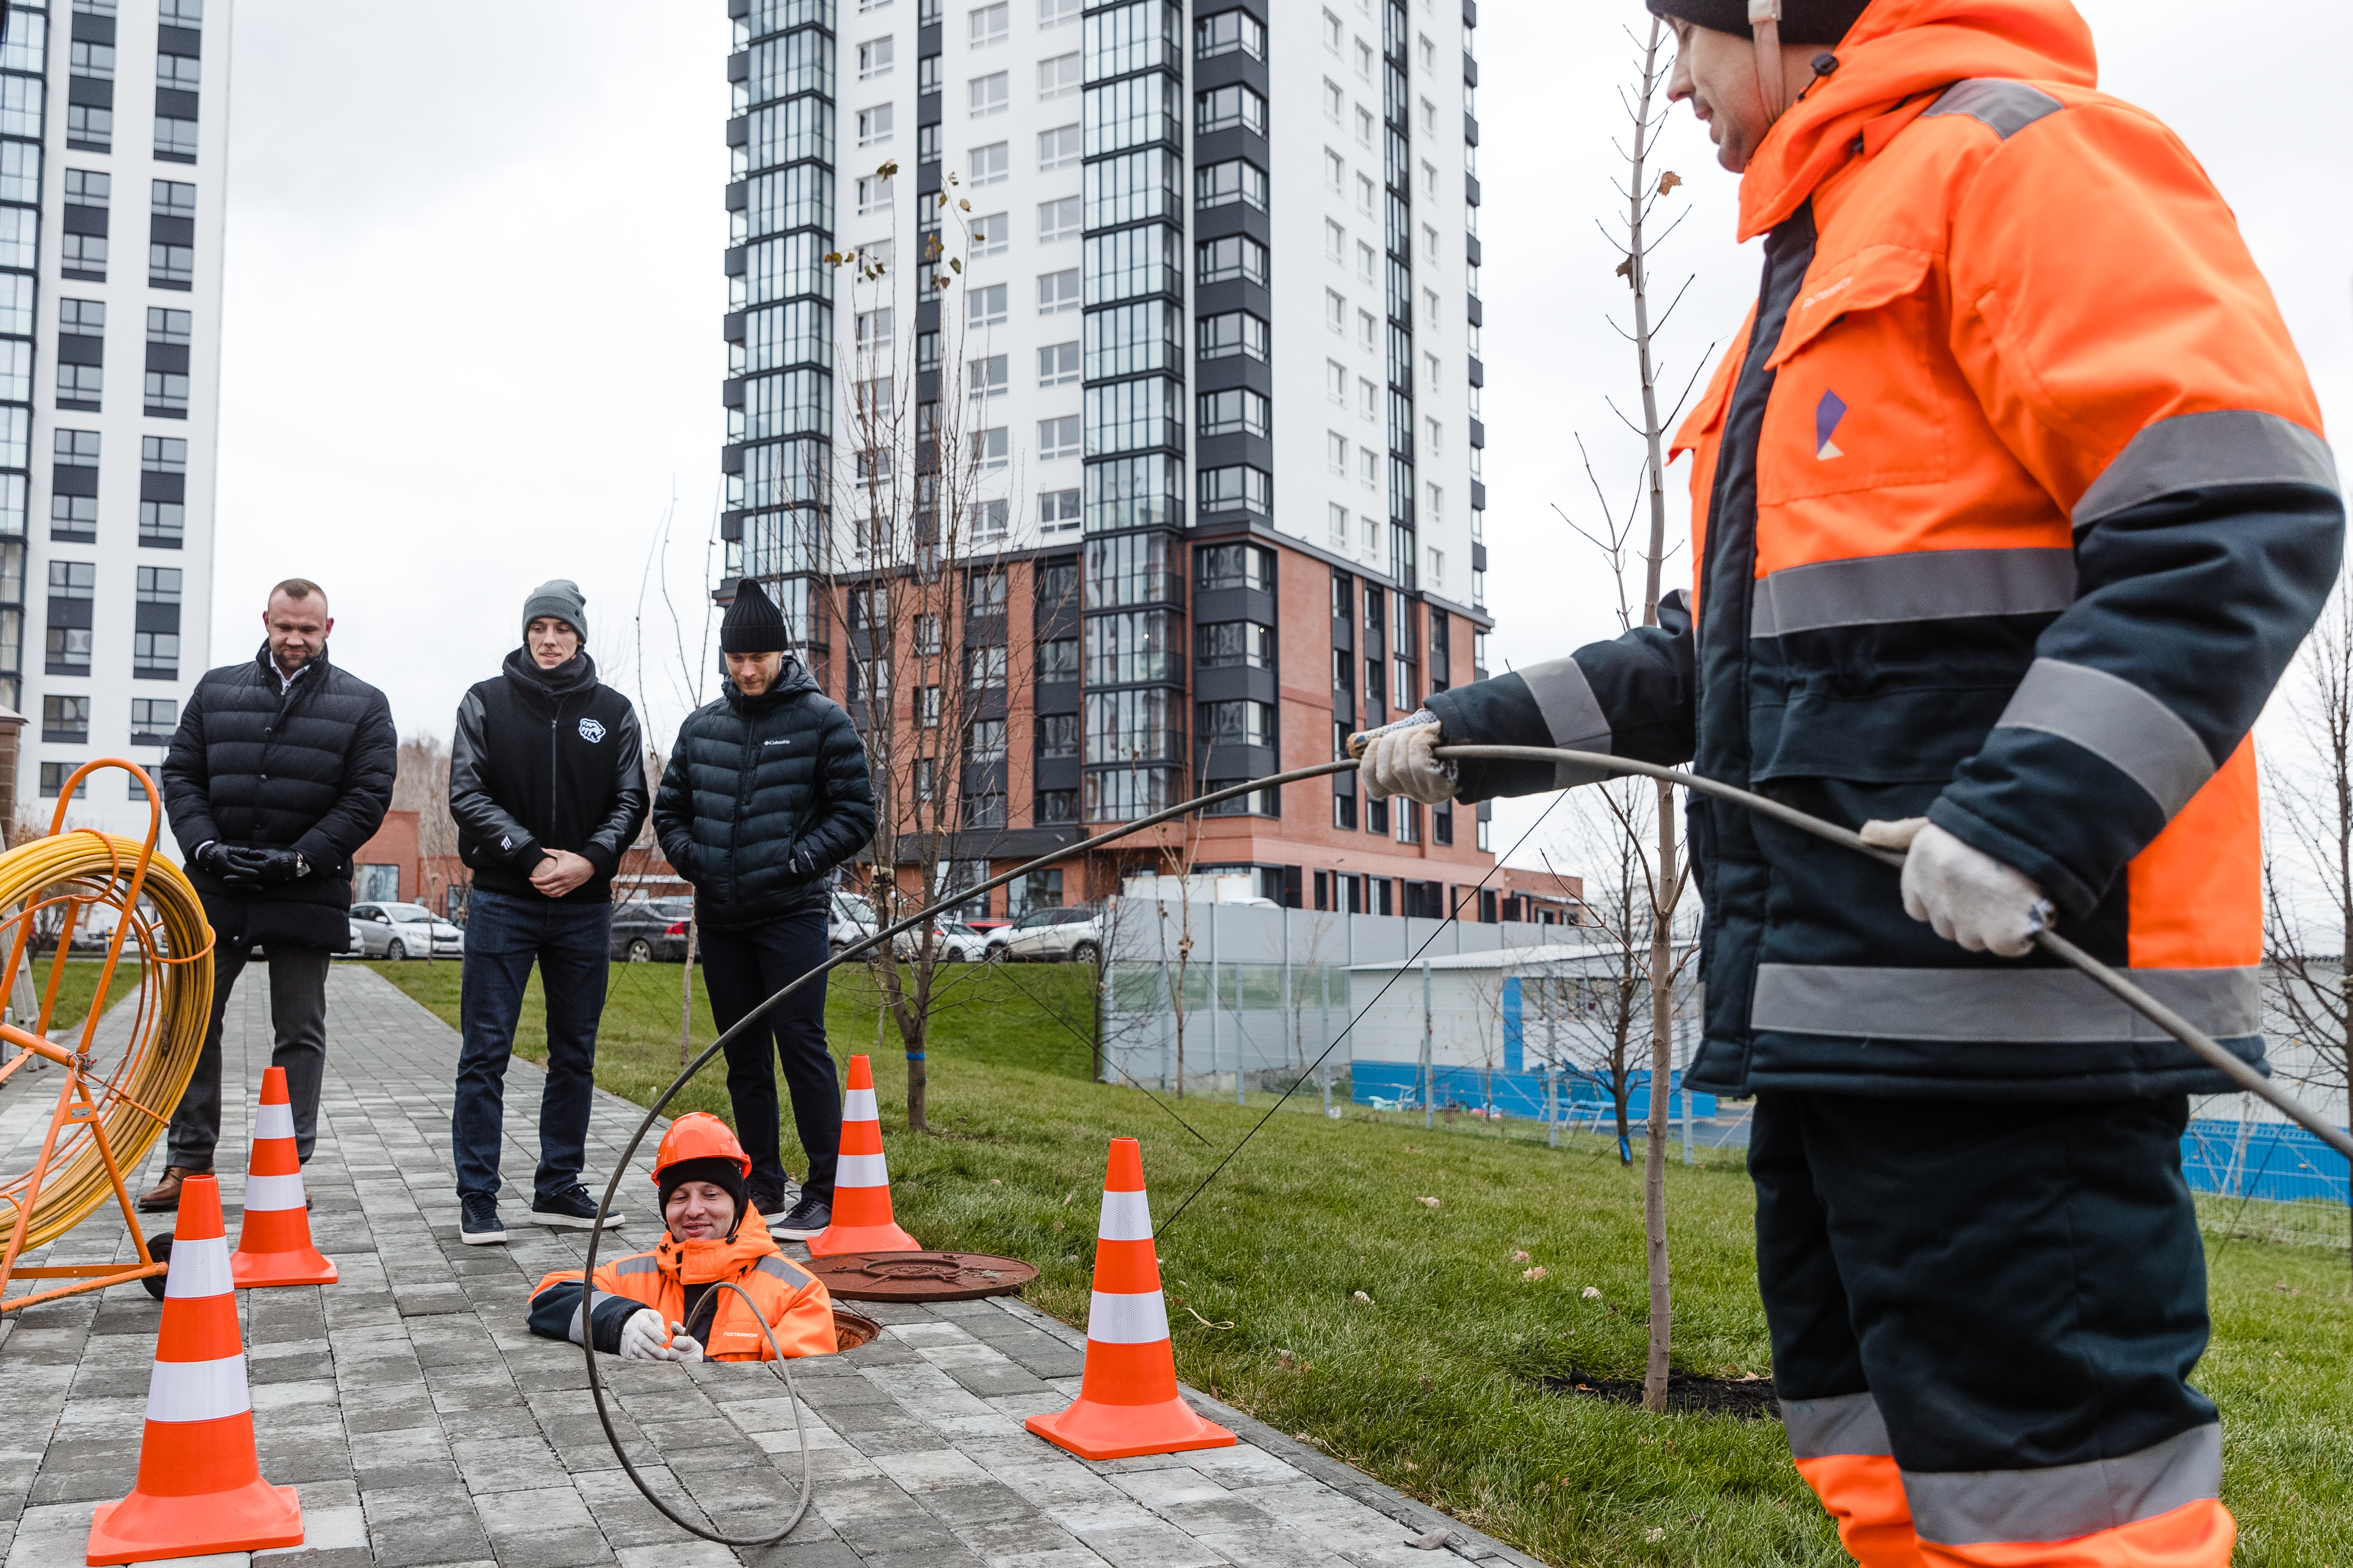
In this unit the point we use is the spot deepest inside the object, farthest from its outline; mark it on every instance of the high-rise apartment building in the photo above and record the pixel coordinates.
(1217, 300)
(112, 148)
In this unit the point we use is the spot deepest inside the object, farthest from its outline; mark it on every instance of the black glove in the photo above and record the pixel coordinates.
(265, 867)
(221, 860)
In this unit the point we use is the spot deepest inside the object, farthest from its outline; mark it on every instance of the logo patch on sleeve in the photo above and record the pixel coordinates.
(1827, 415)
(591, 730)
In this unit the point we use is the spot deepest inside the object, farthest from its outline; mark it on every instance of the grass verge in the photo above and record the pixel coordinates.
(1434, 1384)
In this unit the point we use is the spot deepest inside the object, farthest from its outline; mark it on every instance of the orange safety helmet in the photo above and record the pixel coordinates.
(698, 1136)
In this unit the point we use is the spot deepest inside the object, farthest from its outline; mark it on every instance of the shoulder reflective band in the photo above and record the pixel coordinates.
(1126, 1216)
(198, 1390)
(2004, 108)
(2066, 1502)
(2117, 722)
(267, 1194)
(273, 1122)
(200, 1267)
(862, 1171)
(1138, 1319)
(858, 1105)
(2203, 451)
(780, 1269)
(1918, 585)
(643, 1263)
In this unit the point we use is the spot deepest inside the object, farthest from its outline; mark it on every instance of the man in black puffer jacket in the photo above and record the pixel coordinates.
(547, 782)
(766, 791)
(281, 770)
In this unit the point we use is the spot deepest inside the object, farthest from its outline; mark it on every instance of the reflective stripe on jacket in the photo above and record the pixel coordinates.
(798, 1306)
(2010, 506)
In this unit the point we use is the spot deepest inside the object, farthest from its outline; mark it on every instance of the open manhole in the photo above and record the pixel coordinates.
(852, 1329)
(1746, 1399)
(919, 1276)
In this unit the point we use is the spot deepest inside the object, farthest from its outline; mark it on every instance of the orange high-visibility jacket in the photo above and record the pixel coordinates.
(2010, 506)
(797, 1305)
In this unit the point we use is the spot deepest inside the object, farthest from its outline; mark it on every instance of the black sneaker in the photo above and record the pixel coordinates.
(807, 1217)
(573, 1210)
(480, 1225)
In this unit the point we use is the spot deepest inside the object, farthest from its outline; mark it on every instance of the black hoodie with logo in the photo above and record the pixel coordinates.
(545, 759)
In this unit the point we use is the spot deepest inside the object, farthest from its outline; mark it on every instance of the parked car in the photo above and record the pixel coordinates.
(405, 931)
(954, 942)
(1072, 933)
(851, 920)
(652, 930)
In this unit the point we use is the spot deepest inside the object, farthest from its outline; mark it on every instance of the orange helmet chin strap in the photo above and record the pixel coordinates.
(1772, 85)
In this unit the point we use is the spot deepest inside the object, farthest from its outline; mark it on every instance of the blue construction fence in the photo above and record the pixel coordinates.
(1512, 1094)
(2273, 1161)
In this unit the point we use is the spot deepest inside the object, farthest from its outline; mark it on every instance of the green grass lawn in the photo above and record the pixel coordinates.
(79, 983)
(1436, 1387)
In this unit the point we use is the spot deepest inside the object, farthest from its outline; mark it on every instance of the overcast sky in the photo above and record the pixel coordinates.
(473, 303)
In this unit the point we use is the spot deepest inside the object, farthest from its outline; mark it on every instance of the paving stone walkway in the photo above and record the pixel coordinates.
(424, 1425)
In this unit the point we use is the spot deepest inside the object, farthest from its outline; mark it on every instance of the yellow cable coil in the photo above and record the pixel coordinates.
(137, 1077)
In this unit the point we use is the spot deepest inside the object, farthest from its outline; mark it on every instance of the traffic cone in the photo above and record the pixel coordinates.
(200, 1488)
(1127, 1403)
(861, 1187)
(273, 1240)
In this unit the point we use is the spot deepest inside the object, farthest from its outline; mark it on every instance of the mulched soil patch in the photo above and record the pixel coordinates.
(1749, 1400)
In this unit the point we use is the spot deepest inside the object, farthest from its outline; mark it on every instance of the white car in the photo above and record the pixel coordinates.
(399, 931)
(1072, 933)
(953, 942)
(851, 919)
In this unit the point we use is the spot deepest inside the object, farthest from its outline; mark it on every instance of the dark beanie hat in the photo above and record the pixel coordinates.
(754, 624)
(1802, 21)
(718, 1171)
(563, 600)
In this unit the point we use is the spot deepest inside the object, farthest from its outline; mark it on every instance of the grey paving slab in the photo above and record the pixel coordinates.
(425, 1427)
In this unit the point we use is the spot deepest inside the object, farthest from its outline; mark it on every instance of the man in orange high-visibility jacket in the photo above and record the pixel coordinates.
(672, 1304)
(2010, 506)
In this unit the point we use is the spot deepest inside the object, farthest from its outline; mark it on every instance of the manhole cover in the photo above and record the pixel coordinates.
(920, 1276)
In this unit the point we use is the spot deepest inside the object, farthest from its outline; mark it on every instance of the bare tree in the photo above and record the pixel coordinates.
(2309, 866)
(421, 784)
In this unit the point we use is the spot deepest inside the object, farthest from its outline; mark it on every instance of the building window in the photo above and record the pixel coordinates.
(1363, 126)
(989, 165)
(1336, 382)
(153, 720)
(1234, 180)
(1057, 511)
(1434, 503)
(81, 257)
(95, 62)
(991, 234)
(1335, 312)
(1336, 243)
(175, 139)
(162, 524)
(1331, 32)
(1059, 13)
(988, 95)
(1060, 148)
(1236, 258)
(1336, 519)
(64, 719)
(1237, 724)
(155, 656)
(72, 585)
(991, 24)
(1058, 661)
(53, 780)
(985, 307)
(991, 448)
(1232, 332)
(1059, 219)
(1231, 108)
(1436, 567)
(73, 520)
(1336, 453)
(1057, 364)
(1369, 467)
(874, 125)
(77, 449)
(1221, 644)
(1060, 77)
(164, 326)
(873, 195)
(1368, 330)
(1235, 411)
(987, 377)
(166, 394)
(1057, 806)
(162, 454)
(984, 670)
(1235, 566)
(1335, 170)
(1059, 291)
(182, 72)
(1336, 102)
(1365, 195)
(928, 708)
(1230, 32)
(1239, 488)
(1057, 438)
(1368, 400)
(874, 58)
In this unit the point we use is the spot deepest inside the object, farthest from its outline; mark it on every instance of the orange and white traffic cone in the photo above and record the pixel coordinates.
(273, 1241)
(200, 1488)
(861, 1185)
(1127, 1403)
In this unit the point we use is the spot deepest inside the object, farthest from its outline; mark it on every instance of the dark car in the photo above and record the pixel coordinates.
(650, 930)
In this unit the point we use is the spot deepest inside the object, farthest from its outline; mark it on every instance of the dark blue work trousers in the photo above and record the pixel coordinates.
(572, 943)
(743, 968)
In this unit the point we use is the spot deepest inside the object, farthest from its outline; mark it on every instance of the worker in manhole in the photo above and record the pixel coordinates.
(2010, 506)
(675, 1303)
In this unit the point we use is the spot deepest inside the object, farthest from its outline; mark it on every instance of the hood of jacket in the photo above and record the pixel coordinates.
(540, 687)
(1898, 56)
(792, 680)
(704, 1262)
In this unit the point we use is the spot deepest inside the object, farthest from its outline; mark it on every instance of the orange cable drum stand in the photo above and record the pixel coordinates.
(108, 1114)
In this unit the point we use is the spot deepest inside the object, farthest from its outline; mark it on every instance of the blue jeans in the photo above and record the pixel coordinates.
(571, 944)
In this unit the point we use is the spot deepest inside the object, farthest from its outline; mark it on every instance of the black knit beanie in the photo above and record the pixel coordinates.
(718, 1170)
(754, 624)
(1802, 21)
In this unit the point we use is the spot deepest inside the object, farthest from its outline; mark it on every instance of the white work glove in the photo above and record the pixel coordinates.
(645, 1337)
(1397, 760)
(1966, 895)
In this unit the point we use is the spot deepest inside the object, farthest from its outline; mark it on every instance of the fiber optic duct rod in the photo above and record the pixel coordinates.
(2108, 979)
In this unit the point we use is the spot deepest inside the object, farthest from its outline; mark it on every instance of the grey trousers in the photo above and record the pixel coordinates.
(298, 1012)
